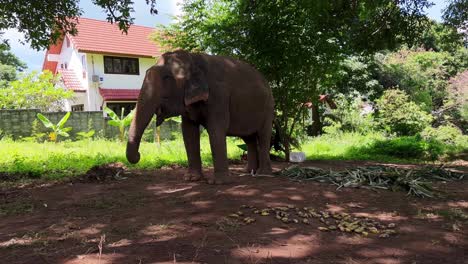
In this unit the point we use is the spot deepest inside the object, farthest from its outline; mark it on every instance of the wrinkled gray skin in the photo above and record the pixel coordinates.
(226, 96)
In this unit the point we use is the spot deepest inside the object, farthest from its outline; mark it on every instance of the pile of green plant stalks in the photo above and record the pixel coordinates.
(416, 182)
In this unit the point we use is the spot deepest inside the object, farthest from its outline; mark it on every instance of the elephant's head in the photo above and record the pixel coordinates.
(175, 82)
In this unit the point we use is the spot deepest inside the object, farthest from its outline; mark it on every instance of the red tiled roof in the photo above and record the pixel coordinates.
(119, 94)
(103, 37)
(70, 80)
(53, 49)
(324, 98)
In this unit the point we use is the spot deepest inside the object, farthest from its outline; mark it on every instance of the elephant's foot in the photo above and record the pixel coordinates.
(219, 178)
(193, 175)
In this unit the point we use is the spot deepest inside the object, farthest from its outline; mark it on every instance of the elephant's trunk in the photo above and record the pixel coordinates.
(146, 107)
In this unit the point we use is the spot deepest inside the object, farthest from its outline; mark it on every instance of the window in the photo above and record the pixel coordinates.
(117, 107)
(77, 108)
(120, 65)
(83, 61)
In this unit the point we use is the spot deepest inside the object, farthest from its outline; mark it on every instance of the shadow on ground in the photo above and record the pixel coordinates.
(155, 217)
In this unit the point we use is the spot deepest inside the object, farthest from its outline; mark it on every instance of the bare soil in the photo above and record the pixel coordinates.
(156, 217)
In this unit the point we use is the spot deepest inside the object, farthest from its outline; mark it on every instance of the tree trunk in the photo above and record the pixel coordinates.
(316, 122)
(158, 135)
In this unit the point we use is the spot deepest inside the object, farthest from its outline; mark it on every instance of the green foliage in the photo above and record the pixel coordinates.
(46, 21)
(407, 147)
(7, 74)
(357, 75)
(121, 122)
(67, 159)
(349, 116)
(456, 15)
(9, 64)
(34, 91)
(397, 114)
(297, 45)
(440, 37)
(8, 58)
(56, 130)
(85, 135)
(424, 75)
(446, 134)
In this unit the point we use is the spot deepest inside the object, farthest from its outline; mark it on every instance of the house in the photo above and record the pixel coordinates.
(102, 65)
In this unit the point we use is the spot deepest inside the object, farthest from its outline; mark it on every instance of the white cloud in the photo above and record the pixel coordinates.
(27, 54)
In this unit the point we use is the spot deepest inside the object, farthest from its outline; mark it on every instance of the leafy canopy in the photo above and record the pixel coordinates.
(9, 65)
(45, 21)
(456, 15)
(297, 45)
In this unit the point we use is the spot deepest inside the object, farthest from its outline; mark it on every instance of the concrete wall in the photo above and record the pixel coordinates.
(19, 124)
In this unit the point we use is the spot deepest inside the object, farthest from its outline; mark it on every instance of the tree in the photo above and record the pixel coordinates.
(297, 45)
(397, 114)
(422, 74)
(9, 65)
(34, 90)
(456, 15)
(441, 37)
(44, 22)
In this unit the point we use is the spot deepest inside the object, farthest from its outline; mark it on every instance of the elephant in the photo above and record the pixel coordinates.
(226, 96)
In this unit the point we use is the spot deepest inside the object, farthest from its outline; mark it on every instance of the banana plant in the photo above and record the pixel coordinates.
(121, 122)
(85, 135)
(57, 130)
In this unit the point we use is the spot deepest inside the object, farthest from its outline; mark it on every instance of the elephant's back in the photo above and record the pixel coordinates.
(250, 97)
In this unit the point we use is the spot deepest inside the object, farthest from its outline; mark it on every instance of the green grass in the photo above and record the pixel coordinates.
(67, 159)
(58, 160)
(376, 147)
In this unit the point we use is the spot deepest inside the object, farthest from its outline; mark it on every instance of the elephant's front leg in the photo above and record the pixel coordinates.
(220, 160)
(191, 134)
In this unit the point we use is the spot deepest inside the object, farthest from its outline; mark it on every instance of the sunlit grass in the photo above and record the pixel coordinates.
(66, 159)
(56, 160)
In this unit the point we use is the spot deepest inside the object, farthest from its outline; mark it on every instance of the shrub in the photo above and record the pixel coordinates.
(56, 130)
(409, 147)
(396, 114)
(349, 117)
(446, 134)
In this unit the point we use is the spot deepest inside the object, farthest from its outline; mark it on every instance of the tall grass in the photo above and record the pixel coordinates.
(66, 159)
(376, 147)
(56, 160)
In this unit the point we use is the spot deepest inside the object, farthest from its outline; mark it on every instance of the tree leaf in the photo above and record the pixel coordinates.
(111, 113)
(114, 123)
(45, 121)
(63, 120)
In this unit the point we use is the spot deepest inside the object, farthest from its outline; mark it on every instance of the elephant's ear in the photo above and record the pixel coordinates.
(197, 89)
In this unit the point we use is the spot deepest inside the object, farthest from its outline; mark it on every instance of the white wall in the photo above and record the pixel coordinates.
(95, 66)
(73, 60)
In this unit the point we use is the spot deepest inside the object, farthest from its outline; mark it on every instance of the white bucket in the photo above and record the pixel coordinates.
(297, 157)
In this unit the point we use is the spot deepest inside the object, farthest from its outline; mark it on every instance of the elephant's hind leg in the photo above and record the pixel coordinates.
(264, 140)
(252, 153)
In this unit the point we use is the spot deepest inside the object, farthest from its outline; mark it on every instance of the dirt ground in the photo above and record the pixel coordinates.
(156, 217)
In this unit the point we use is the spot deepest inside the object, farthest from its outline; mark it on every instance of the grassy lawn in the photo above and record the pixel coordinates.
(65, 159)
(56, 160)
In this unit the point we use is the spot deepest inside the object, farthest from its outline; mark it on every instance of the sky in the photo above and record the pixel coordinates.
(166, 9)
